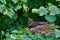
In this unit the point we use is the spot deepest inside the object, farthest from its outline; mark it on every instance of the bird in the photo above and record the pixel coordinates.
(40, 27)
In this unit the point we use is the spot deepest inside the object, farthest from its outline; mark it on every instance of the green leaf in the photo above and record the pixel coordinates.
(49, 38)
(54, 26)
(57, 0)
(25, 7)
(54, 10)
(50, 4)
(18, 7)
(57, 33)
(10, 12)
(15, 1)
(3, 1)
(2, 32)
(35, 11)
(2, 8)
(40, 36)
(50, 18)
(15, 31)
(43, 11)
(24, 0)
(32, 37)
(25, 37)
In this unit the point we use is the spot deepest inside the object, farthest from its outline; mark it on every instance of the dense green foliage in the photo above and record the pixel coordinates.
(14, 18)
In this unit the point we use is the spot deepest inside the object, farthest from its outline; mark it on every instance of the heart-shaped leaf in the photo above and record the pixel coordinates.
(57, 33)
(50, 18)
(43, 11)
(54, 10)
